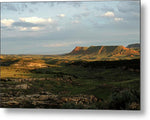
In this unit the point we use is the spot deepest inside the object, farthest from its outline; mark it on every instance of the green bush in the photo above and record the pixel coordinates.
(124, 100)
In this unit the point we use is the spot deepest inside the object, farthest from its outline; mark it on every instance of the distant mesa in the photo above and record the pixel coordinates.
(79, 50)
(136, 45)
(104, 51)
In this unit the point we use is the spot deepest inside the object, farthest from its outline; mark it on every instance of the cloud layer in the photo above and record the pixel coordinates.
(59, 26)
(29, 23)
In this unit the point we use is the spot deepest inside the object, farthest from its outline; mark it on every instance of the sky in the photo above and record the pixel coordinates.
(58, 27)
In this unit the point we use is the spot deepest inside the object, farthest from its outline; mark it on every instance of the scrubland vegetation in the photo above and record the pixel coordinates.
(70, 81)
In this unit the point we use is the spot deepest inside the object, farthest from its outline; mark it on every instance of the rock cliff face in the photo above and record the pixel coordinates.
(104, 51)
(79, 50)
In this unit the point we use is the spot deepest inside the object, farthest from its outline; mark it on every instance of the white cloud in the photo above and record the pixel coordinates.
(75, 21)
(35, 20)
(23, 28)
(31, 24)
(29, 28)
(63, 44)
(35, 28)
(7, 22)
(50, 20)
(109, 14)
(118, 19)
(61, 15)
(57, 45)
(58, 28)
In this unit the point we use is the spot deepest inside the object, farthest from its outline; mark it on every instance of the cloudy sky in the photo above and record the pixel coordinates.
(57, 27)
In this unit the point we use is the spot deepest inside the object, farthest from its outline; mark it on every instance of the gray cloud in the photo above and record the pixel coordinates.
(9, 6)
(130, 11)
(72, 3)
(81, 15)
(13, 6)
(6, 28)
(104, 8)
(31, 11)
(20, 7)
(53, 3)
(125, 7)
(26, 24)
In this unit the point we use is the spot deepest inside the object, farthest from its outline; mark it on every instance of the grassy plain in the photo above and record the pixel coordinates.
(81, 82)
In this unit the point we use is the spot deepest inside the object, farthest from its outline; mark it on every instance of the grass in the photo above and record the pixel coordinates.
(10, 72)
(70, 77)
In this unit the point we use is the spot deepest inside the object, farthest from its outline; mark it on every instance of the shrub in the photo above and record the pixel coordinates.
(124, 100)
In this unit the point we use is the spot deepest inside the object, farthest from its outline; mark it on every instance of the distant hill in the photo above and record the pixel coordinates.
(104, 51)
(136, 45)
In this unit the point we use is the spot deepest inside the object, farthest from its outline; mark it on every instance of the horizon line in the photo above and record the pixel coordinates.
(59, 53)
